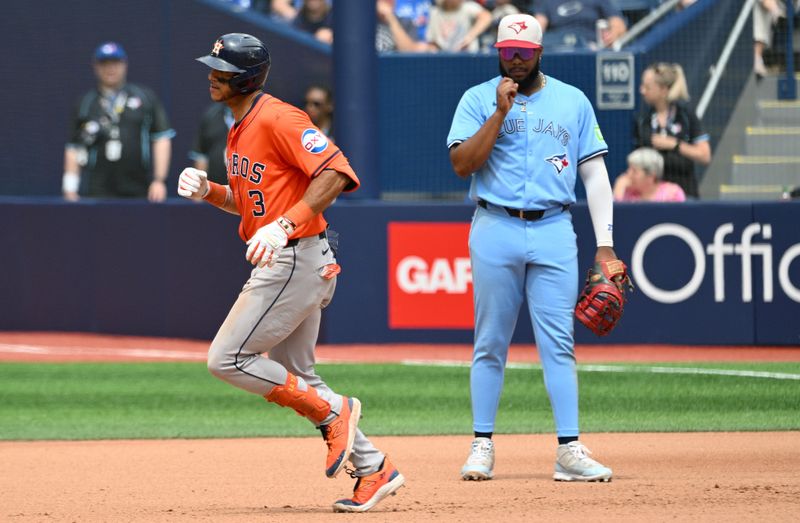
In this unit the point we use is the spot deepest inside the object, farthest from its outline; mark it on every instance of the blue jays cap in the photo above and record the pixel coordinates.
(109, 51)
(519, 30)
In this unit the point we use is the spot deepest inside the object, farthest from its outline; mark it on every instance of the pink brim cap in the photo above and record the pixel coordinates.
(517, 43)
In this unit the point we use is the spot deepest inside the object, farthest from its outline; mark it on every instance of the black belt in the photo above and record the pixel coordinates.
(295, 241)
(530, 216)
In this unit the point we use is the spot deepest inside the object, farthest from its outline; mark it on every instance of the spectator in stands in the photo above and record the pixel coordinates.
(643, 182)
(284, 10)
(525, 6)
(395, 34)
(316, 17)
(414, 13)
(573, 23)
(119, 134)
(455, 25)
(208, 150)
(765, 14)
(262, 6)
(319, 107)
(499, 9)
(670, 126)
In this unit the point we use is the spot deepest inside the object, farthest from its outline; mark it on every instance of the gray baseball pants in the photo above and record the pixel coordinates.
(273, 328)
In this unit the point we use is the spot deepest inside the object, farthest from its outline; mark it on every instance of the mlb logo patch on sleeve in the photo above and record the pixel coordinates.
(314, 141)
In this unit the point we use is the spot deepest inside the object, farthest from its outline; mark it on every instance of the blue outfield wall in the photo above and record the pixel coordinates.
(726, 273)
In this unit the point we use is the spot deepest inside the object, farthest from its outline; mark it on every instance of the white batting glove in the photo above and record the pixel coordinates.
(266, 244)
(193, 184)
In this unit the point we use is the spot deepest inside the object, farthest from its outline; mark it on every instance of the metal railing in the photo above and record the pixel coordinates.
(719, 68)
(787, 86)
(644, 24)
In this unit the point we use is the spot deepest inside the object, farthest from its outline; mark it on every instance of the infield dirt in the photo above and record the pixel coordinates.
(657, 476)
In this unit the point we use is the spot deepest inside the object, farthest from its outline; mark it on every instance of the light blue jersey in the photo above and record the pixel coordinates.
(543, 140)
(532, 167)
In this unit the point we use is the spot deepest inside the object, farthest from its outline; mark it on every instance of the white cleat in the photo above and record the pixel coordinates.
(574, 464)
(480, 462)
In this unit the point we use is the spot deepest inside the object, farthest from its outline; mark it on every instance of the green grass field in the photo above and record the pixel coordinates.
(182, 400)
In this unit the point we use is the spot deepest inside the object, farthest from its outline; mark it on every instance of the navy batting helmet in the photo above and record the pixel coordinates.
(242, 54)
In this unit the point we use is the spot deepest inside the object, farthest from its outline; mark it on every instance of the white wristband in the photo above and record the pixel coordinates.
(71, 182)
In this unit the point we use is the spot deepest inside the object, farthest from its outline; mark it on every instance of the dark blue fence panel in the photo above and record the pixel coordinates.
(677, 253)
(358, 313)
(777, 321)
(118, 267)
(705, 273)
(668, 263)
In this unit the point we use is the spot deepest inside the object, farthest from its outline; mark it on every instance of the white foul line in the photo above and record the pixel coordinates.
(104, 351)
(201, 356)
(630, 369)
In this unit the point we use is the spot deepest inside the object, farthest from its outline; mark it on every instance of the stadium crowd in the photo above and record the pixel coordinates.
(426, 26)
(460, 25)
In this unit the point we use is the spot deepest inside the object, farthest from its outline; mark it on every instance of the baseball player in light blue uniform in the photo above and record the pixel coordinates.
(523, 137)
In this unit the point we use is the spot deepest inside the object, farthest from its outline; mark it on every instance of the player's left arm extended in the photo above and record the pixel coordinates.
(601, 205)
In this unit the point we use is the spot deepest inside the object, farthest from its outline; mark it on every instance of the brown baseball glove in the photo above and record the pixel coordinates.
(601, 303)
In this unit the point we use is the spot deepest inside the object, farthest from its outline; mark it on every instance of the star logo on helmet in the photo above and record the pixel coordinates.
(518, 27)
(217, 48)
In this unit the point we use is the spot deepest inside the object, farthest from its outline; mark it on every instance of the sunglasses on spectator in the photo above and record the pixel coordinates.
(525, 53)
(315, 103)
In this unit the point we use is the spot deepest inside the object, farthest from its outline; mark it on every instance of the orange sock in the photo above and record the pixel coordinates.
(306, 403)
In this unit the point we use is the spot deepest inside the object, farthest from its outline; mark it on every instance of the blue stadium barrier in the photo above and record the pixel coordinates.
(721, 273)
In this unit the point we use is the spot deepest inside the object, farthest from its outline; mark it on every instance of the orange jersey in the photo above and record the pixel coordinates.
(273, 154)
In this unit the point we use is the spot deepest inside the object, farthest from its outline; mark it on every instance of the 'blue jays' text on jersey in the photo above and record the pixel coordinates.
(544, 138)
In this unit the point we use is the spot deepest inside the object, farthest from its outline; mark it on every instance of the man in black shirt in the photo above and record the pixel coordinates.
(208, 150)
(119, 134)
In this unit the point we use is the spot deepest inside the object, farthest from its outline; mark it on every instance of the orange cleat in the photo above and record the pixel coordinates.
(340, 434)
(371, 489)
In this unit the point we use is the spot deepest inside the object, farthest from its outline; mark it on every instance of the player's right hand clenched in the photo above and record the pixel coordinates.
(506, 92)
(267, 243)
(193, 184)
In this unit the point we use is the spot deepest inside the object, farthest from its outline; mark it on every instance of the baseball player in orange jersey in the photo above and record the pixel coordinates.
(282, 173)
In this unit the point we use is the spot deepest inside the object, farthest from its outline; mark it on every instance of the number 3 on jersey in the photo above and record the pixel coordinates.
(258, 202)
